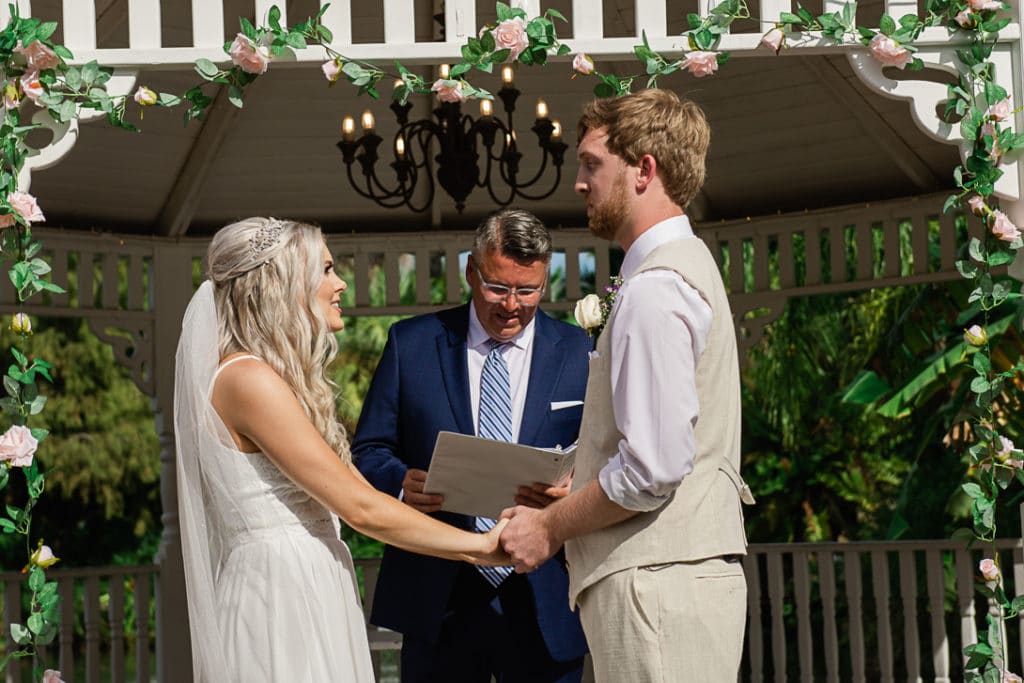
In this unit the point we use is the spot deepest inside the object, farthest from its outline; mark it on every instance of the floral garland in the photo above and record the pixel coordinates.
(36, 70)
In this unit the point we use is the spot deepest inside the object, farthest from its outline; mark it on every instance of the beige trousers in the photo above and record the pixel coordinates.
(670, 623)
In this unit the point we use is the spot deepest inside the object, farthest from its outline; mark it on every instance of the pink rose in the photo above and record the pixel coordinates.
(1000, 111)
(331, 69)
(701, 63)
(774, 39)
(977, 205)
(51, 676)
(989, 569)
(17, 446)
(145, 97)
(39, 56)
(32, 87)
(11, 97)
(448, 91)
(1003, 227)
(975, 335)
(249, 57)
(1015, 464)
(25, 206)
(1010, 678)
(1005, 447)
(511, 35)
(965, 19)
(888, 52)
(582, 64)
(984, 5)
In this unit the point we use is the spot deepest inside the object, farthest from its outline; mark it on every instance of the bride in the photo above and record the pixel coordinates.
(264, 469)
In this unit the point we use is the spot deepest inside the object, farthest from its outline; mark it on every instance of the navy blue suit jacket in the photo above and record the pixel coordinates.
(421, 387)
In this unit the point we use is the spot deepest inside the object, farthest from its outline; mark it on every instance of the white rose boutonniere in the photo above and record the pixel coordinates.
(592, 311)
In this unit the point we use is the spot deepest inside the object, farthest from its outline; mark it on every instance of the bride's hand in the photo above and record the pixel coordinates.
(492, 554)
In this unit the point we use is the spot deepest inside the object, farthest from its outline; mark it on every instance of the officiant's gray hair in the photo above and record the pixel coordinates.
(513, 233)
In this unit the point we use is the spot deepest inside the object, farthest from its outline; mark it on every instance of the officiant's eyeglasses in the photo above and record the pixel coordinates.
(526, 296)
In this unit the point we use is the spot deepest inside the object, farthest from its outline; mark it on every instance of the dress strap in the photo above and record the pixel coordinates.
(224, 365)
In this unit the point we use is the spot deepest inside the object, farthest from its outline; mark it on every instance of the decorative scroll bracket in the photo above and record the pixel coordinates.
(132, 344)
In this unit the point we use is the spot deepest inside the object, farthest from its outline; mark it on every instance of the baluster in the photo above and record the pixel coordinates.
(399, 29)
(460, 20)
(136, 283)
(207, 23)
(802, 588)
(755, 636)
(965, 599)
(855, 602)
(361, 275)
(908, 592)
(109, 287)
(880, 583)
(948, 246)
(827, 577)
(453, 275)
(92, 629)
(140, 584)
(144, 24)
(80, 25)
(919, 244)
(85, 269)
(423, 276)
(652, 12)
(58, 276)
(115, 616)
(762, 281)
(602, 267)
(586, 22)
(777, 599)
(392, 278)
(66, 588)
(936, 605)
(736, 284)
(338, 18)
(12, 615)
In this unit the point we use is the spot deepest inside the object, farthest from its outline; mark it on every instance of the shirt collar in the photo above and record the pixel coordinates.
(668, 230)
(478, 337)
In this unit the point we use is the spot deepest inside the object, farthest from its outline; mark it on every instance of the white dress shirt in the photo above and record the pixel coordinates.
(517, 355)
(661, 328)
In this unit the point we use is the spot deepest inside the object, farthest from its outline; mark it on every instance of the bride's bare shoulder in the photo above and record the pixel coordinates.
(244, 377)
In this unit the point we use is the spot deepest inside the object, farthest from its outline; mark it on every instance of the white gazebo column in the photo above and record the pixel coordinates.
(172, 287)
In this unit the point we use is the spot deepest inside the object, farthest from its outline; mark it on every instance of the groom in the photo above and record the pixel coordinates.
(653, 530)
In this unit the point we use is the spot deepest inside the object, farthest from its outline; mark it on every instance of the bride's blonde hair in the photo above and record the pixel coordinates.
(265, 274)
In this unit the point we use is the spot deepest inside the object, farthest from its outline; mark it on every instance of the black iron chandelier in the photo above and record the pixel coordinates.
(470, 153)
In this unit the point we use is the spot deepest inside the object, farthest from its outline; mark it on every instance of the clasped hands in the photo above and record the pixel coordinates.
(525, 537)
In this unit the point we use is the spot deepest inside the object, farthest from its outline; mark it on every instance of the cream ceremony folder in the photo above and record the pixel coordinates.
(480, 476)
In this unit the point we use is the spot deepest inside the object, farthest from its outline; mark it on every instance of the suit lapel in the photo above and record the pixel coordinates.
(545, 370)
(451, 355)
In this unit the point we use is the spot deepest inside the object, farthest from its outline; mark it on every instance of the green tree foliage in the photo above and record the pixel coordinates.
(102, 501)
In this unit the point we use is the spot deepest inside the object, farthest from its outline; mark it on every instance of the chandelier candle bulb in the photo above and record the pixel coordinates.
(348, 128)
(486, 108)
(398, 83)
(506, 75)
(542, 109)
(444, 71)
(556, 130)
(368, 121)
(400, 146)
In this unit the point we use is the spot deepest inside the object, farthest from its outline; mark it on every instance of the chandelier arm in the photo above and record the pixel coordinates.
(551, 191)
(540, 172)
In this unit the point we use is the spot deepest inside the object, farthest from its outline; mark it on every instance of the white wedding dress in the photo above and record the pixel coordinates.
(271, 587)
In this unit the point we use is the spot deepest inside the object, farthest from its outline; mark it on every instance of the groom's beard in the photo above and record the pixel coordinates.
(610, 215)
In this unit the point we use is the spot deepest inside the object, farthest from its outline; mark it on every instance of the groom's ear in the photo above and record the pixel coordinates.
(647, 169)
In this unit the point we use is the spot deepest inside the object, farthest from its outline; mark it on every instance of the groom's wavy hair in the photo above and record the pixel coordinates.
(656, 122)
(266, 273)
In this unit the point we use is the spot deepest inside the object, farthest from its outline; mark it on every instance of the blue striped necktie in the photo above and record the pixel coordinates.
(495, 423)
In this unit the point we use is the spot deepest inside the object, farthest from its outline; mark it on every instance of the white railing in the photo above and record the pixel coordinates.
(85, 34)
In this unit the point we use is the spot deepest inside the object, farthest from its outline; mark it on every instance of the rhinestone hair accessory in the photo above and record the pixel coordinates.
(265, 238)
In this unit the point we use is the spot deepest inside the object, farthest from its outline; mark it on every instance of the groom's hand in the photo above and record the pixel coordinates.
(527, 538)
(412, 492)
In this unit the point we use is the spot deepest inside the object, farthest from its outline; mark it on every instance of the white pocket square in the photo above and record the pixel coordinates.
(593, 355)
(561, 405)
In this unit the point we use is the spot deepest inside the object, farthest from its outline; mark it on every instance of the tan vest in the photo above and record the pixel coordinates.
(702, 518)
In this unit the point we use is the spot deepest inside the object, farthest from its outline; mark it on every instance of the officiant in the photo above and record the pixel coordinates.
(499, 368)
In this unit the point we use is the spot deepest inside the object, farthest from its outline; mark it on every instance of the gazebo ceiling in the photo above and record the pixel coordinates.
(788, 133)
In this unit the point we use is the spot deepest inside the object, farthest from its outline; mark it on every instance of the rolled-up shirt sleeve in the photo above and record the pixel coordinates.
(661, 327)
